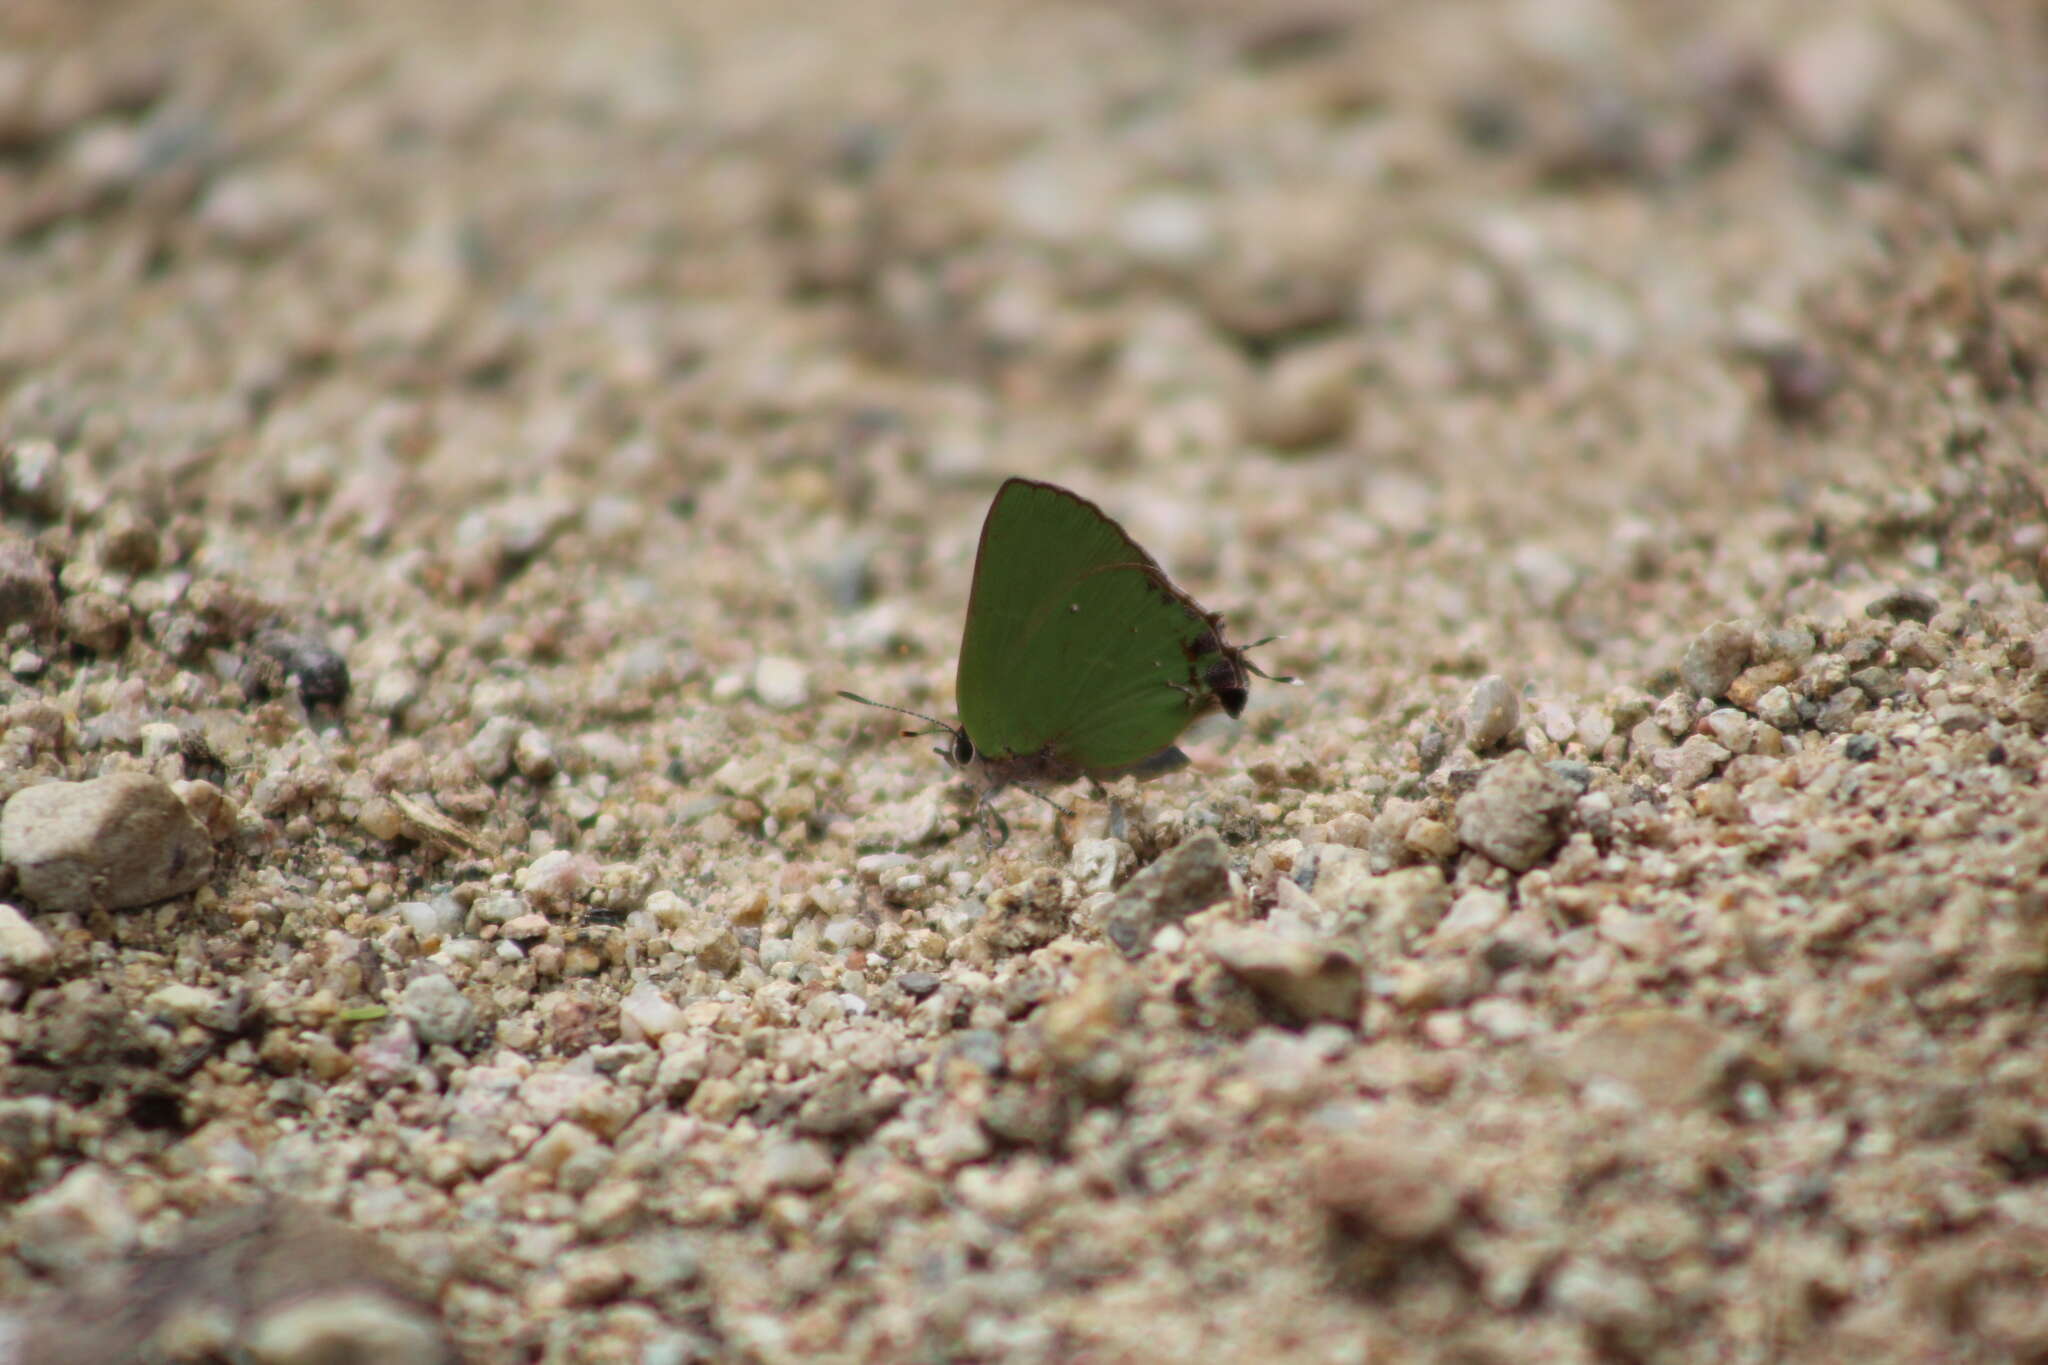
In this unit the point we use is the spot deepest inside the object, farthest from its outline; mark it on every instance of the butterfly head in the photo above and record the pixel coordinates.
(958, 750)
(1228, 674)
(1225, 679)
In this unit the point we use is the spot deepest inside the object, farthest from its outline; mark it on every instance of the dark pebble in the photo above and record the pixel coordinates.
(1579, 774)
(1026, 1115)
(1191, 876)
(980, 1048)
(1904, 604)
(320, 674)
(1463, 780)
(1431, 748)
(1800, 379)
(1875, 683)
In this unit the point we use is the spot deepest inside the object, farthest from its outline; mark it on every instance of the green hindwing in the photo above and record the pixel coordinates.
(1077, 645)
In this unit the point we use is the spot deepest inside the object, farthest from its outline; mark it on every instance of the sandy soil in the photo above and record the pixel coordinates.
(1629, 944)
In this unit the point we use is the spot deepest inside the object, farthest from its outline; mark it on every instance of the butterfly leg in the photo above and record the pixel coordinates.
(995, 830)
(1049, 801)
(1115, 826)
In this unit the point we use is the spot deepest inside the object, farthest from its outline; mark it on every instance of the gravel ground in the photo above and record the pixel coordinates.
(452, 455)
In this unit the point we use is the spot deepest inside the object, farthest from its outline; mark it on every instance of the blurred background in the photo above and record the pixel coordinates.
(474, 441)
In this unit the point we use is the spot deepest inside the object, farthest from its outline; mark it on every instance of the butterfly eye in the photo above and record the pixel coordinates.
(963, 749)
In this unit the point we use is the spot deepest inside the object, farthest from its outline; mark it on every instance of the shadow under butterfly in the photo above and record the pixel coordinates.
(1080, 658)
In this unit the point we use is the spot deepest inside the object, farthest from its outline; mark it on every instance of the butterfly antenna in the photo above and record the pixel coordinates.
(906, 711)
(1269, 677)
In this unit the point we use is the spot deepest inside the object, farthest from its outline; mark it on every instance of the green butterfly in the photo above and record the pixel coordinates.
(1080, 658)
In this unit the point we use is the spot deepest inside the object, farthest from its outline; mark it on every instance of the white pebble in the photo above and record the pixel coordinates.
(438, 918)
(781, 684)
(558, 876)
(646, 1013)
(23, 949)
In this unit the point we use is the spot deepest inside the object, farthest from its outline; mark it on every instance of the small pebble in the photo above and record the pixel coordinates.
(359, 1325)
(1398, 904)
(439, 1011)
(95, 623)
(259, 209)
(129, 543)
(491, 747)
(1580, 775)
(1517, 813)
(32, 476)
(1904, 604)
(27, 596)
(497, 907)
(851, 1105)
(112, 843)
(1779, 709)
(380, 818)
(1191, 876)
(24, 952)
(558, 876)
(1099, 864)
(1472, 917)
(781, 684)
(1308, 399)
(1833, 80)
(1546, 575)
(1840, 711)
(310, 665)
(1660, 1058)
(439, 918)
(1502, 1019)
(1715, 658)
(1691, 763)
(647, 1012)
(524, 928)
(1167, 228)
(1731, 729)
(534, 755)
(1957, 717)
(394, 692)
(83, 1219)
(801, 1164)
(1304, 982)
(181, 1001)
(1800, 379)
(211, 807)
(1429, 838)
(1396, 1180)
(1492, 711)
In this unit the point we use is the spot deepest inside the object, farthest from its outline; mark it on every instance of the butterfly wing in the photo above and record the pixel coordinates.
(1077, 644)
